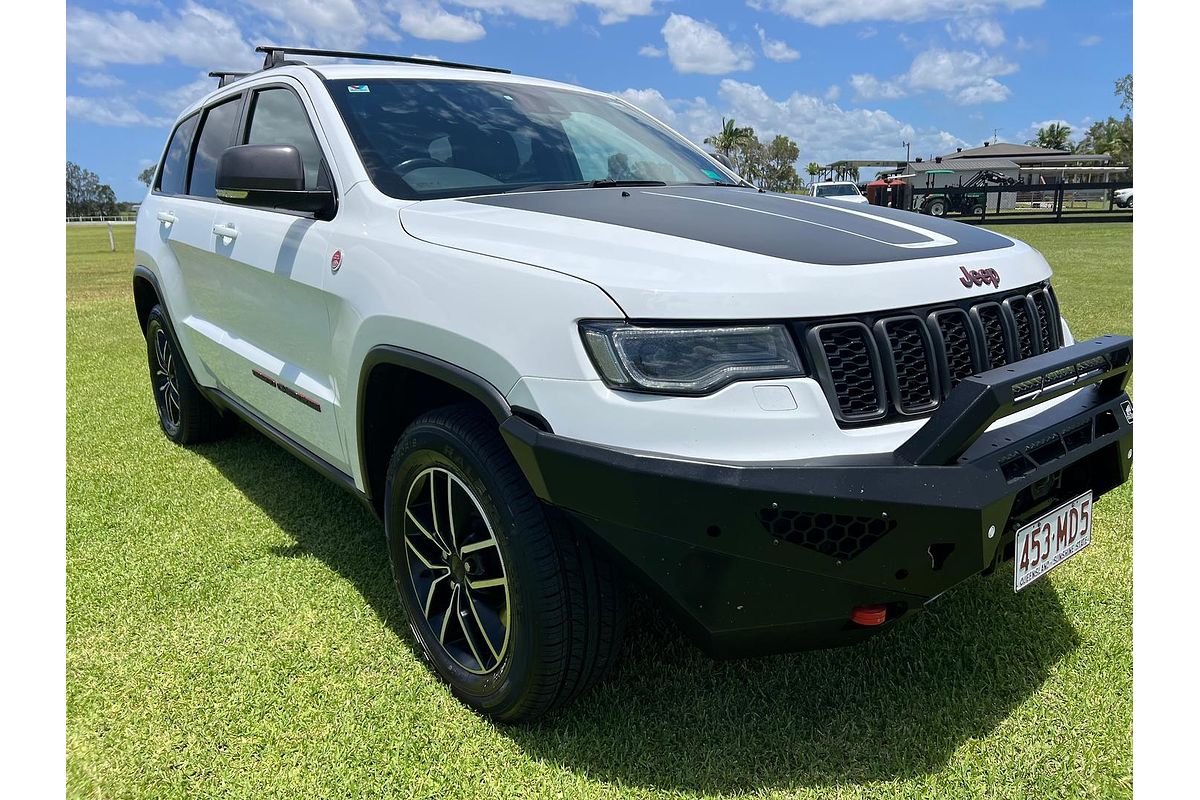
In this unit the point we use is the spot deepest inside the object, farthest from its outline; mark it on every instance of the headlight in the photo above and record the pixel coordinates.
(688, 360)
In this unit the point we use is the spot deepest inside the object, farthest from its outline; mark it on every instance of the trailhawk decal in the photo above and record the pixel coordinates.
(289, 391)
(809, 230)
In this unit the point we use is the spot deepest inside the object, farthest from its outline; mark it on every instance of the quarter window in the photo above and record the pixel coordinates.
(215, 135)
(173, 175)
(278, 117)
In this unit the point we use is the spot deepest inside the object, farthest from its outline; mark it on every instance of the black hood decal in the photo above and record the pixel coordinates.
(806, 229)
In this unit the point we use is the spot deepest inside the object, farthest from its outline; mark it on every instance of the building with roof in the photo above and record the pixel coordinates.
(1027, 164)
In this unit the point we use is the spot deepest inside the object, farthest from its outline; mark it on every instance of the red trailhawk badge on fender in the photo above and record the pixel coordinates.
(335, 263)
(979, 277)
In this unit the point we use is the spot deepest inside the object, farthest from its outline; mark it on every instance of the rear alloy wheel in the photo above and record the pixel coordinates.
(184, 414)
(516, 612)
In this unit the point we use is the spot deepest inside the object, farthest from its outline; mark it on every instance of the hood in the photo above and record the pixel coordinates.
(719, 253)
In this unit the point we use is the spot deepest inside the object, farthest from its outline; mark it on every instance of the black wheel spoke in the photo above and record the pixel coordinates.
(490, 628)
(457, 570)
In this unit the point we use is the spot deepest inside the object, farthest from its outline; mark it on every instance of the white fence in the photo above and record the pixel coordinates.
(122, 219)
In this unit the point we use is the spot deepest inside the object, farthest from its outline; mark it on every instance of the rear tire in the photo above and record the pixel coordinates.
(184, 414)
(517, 615)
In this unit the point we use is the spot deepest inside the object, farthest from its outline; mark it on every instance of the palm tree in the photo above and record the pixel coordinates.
(731, 139)
(813, 169)
(1055, 136)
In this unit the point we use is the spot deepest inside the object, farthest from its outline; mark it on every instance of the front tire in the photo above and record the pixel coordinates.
(184, 414)
(936, 208)
(517, 615)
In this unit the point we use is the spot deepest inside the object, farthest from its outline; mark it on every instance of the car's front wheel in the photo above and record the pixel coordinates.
(518, 615)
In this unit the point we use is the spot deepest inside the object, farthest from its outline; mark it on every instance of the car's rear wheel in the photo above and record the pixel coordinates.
(184, 414)
(517, 615)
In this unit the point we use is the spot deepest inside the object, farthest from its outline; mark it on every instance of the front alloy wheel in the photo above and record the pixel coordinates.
(513, 608)
(457, 570)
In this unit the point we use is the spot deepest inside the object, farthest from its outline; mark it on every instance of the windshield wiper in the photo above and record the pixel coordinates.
(598, 183)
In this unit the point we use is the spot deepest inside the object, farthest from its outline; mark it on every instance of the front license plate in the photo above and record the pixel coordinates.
(1050, 540)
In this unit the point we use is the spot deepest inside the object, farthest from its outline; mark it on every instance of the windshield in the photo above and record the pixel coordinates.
(421, 139)
(836, 190)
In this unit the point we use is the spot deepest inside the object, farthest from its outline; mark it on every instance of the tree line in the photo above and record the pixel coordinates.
(87, 196)
(1112, 136)
(770, 166)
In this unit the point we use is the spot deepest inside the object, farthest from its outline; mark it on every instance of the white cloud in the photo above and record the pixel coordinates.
(965, 77)
(985, 31)
(613, 11)
(99, 80)
(650, 51)
(1090, 41)
(698, 47)
(427, 20)
(111, 112)
(824, 131)
(323, 23)
(649, 100)
(968, 77)
(833, 12)
(561, 12)
(176, 100)
(195, 35)
(833, 92)
(868, 87)
(775, 49)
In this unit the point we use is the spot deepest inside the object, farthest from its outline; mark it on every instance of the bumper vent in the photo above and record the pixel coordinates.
(881, 367)
(837, 535)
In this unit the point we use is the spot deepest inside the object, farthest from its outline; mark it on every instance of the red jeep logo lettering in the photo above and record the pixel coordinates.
(978, 277)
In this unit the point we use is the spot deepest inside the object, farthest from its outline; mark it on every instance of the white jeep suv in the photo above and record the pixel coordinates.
(555, 345)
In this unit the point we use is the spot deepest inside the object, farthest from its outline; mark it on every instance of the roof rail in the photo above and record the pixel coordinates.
(226, 77)
(276, 56)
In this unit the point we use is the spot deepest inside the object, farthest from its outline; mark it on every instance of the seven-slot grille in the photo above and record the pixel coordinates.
(904, 364)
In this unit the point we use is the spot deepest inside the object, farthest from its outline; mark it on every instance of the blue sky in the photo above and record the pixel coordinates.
(844, 78)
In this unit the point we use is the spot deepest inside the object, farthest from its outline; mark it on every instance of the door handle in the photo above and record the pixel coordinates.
(227, 232)
(167, 217)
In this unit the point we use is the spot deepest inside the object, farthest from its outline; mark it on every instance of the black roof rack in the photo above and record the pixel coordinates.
(226, 76)
(277, 56)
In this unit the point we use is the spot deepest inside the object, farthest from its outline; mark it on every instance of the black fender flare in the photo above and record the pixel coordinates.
(464, 380)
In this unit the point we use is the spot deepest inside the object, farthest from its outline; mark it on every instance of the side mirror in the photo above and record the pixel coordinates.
(270, 175)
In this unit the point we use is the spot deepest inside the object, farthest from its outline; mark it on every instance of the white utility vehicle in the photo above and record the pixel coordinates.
(845, 191)
(555, 345)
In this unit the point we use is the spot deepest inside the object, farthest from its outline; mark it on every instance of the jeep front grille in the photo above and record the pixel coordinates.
(878, 367)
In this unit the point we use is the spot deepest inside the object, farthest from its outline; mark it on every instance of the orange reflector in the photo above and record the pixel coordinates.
(869, 615)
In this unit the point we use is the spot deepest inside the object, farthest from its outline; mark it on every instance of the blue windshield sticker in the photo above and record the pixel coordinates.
(716, 176)
(359, 87)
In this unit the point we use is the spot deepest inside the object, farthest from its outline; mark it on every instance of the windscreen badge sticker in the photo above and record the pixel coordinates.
(356, 88)
(335, 263)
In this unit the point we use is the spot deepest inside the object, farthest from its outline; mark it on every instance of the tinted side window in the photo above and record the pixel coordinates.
(173, 174)
(215, 135)
(278, 117)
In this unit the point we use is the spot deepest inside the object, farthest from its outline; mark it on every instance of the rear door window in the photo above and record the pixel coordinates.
(216, 134)
(172, 178)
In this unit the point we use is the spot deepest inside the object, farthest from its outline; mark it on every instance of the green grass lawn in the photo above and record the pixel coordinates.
(232, 632)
